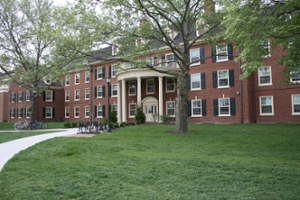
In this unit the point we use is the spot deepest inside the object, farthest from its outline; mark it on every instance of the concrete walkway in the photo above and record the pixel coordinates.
(9, 149)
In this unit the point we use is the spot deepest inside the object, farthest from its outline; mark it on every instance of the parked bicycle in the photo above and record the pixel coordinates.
(40, 125)
(23, 126)
(87, 127)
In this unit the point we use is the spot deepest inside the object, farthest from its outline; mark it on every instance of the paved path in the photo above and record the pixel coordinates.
(9, 149)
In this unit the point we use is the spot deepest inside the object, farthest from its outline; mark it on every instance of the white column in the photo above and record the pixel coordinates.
(124, 101)
(119, 103)
(139, 92)
(160, 96)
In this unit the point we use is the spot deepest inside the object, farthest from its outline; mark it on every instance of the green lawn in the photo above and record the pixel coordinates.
(237, 161)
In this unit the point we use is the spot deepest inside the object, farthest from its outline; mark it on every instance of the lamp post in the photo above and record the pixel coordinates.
(108, 120)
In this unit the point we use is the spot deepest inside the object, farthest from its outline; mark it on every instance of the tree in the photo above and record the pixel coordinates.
(250, 23)
(28, 38)
(117, 24)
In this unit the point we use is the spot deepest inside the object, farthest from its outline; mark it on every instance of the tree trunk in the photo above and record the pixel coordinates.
(33, 108)
(181, 103)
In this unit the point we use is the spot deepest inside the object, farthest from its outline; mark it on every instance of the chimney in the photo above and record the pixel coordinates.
(209, 6)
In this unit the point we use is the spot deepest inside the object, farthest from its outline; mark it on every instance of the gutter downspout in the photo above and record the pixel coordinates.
(241, 90)
(91, 96)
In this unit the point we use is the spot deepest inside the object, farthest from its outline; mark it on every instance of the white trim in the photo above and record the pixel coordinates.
(228, 80)
(169, 91)
(75, 95)
(169, 109)
(133, 94)
(198, 62)
(147, 86)
(67, 95)
(86, 94)
(111, 90)
(260, 106)
(75, 78)
(66, 79)
(226, 53)
(51, 112)
(75, 112)
(89, 76)
(192, 106)
(219, 107)
(259, 76)
(46, 92)
(98, 70)
(87, 116)
(293, 104)
(191, 82)
(66, 112)
(131, 116)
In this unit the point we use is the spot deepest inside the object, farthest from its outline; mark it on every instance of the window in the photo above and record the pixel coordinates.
(27, 112)
(87, 112)
(100, 91)
(67, 96)
(295, 76)
(195, 56)
(20, 96)
(20, 112)
(100, 111)
(296, 104)
(221, 51)
(196, 108)
(76, 95)
(114, 90)
(99, 73)
(49, 95)
(154, 61)
(48, 112)
(87, 77)
(223, 78)
(224, 107)
(132, 109)
(77, 79)
(132, 88)
(150, 86)
(87, 93)
(67, 80)
(196, 81)
(114, 108)
(47, 79)
(114, 50)
(13, 98)
(264, 76)
(67, 112)
(114, 70)
(170, 84)
(266, 47)
(28, 96)
(170, 108)
(12, 113)
(170, 60)
(76, 112)
(266, 105)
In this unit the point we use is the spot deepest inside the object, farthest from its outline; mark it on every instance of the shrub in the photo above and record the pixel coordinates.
(116, 125)
(113, 116)
(74, 124)
(104, 121)
(165, 118)
(140, 117)
(132, 123)
(67, 125)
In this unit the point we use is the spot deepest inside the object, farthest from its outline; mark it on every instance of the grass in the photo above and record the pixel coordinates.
(237, 161)
(10, 125)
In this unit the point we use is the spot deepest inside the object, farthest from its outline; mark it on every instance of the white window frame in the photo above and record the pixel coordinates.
(19, 112)
(131, 109)
(221, 53)
(196, 76)
(12, 113)
(67, 95)
(194, 107)
(99, 109)
(225, 106)
(114, 70)
(295, 103)
(87, 93)
(114, 50)
(115, 107)
(196, 62)
(114, 88)
(27, 112)
(46, 112)
(75, 91)
(21, 96)
(75, 112)
(28, 95)
(170, 62)
(170, 108)
(297, 78)
(170, 84)
(67, 110)
(99, 73)
(99, 89)
(50, 93)
(129, 84)
(13, 97)
(223, 78)
(87, 77)
(87, 112)
(147, 85)
(260, 75)
(266, 47)
(67, 81)
(260, 105)
(77, 78)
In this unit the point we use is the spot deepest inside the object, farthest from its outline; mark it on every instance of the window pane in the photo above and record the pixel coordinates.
(296, 99)
(265, 79)
(224, 110)
(266, 109)
(297, 108)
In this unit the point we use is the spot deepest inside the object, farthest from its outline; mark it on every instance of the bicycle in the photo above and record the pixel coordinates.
(22, 126)
(41, 125)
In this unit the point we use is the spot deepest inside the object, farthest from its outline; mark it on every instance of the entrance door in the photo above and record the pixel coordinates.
(150, 107)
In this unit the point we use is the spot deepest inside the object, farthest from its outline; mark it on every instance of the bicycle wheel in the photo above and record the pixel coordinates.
(44, 126)
(16, 127)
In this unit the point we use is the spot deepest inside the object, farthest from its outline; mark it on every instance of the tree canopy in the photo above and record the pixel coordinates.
(249, 24)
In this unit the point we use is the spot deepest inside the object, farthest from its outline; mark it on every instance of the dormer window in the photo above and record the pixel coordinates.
(266, 47)
(47, 79)
(115, 50)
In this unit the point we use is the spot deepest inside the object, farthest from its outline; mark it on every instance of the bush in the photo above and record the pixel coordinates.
(67, 125)
(74, 124)
(140, 117)
(116, 125)
(132, 123)
(165, 118)
(113, 116)
(104, 121)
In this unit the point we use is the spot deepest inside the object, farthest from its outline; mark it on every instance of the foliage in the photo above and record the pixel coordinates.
(165, 118)
(236, 161)
(249, 25)
(155, 117)
(67, 125)
(104, 121)
(140, 117)
(74, 124)
(113, 116)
